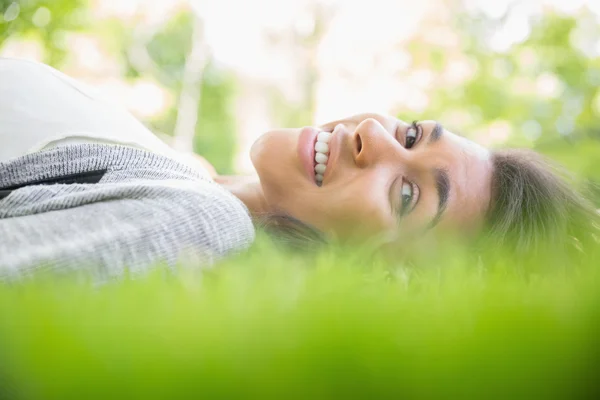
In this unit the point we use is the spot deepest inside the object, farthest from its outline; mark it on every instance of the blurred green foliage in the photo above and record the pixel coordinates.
(167, 48)
(215, 137)
(44, 20)
(544, 88)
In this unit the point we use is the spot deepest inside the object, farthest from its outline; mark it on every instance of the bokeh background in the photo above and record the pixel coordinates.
(212, 75)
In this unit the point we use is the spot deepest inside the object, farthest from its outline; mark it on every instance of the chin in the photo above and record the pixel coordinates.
(275, 150)
(274, 156)
(258, 148)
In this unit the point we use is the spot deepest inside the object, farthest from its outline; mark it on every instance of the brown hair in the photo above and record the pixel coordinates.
(290, 233)
(536, 206)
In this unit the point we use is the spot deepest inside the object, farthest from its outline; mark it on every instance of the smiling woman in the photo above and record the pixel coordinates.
(84, 183)
(381, 174)
(373, 175)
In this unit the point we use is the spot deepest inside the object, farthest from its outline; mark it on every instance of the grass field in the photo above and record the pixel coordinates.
(333, 326)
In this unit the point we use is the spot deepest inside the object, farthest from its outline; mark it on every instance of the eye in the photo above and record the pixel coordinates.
(413, 133)
(408, 196)
(408, 199)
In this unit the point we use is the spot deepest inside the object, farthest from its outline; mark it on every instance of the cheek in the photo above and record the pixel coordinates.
(365, 214)
(358, 206)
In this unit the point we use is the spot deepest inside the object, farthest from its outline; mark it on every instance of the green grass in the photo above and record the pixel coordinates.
(272, 325)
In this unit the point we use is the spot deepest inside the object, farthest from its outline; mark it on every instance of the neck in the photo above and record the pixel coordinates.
(248, 190)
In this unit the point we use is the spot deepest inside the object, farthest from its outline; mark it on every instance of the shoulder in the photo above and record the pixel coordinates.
(203, 211)
(189, 213)
(107, 228)
(145, 208)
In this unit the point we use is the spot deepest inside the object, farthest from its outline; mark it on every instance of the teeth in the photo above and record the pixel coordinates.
(322, 147)
(324, 137)
(321, 156)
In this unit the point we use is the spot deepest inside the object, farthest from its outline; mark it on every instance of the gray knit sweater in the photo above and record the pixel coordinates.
(146, 210)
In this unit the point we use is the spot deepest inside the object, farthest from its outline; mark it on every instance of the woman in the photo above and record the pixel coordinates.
(85, 183)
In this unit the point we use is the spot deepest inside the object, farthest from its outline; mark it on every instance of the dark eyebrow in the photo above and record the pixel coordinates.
(442, 185)
(436, 133)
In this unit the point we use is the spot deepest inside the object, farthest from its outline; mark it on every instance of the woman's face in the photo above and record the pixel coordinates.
(381, 175)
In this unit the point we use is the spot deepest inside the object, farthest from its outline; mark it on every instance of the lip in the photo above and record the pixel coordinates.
(306, 151)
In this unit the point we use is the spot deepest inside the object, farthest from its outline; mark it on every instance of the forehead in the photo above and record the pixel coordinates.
(469, 167)
(469, 148)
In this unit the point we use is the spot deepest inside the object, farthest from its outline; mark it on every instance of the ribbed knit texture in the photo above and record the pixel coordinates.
(147, 210)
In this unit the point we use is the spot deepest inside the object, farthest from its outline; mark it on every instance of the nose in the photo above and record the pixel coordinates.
(373, 143)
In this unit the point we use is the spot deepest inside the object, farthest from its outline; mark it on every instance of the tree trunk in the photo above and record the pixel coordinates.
(189, 97)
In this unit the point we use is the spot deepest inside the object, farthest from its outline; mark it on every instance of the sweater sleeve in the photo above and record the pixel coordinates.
(105, 231)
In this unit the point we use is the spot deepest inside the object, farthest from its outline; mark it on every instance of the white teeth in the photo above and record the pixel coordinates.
(321, 147)
(321, 158)
(324, 137)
